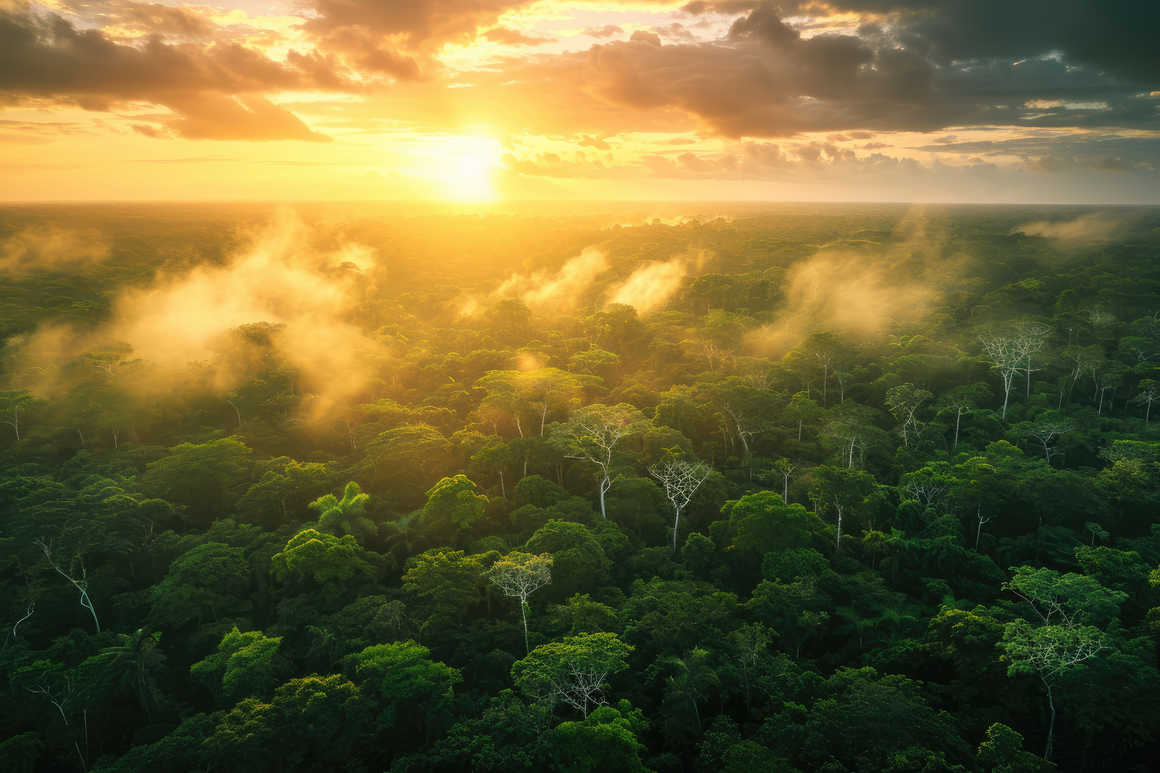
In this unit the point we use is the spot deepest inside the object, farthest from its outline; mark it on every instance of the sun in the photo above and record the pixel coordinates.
(464, 167)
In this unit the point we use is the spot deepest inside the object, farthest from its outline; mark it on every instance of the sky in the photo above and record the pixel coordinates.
(479, 101)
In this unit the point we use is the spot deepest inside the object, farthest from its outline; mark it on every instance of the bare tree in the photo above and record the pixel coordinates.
(1007, 355)
(680, 480)
(81, 583)
(827, 360)
(744, 430)
(62, 693)
(1149, 393)
(903, 401)
(28, 612)
(927, 493)
(980, 521)
(1046, 431)
(14, 404)
(1031, 337)
(592, 435)
(961, 405)
(519, 575)
(582, 689)
(785, 468)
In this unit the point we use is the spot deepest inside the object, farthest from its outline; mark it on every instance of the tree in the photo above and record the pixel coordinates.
(414, 691)
(784, 468)
(1045, 430)
(1067, 607)
(245, 664)
(904, 401)
(1007, 355)
(574, 670)
(962, 401)
(1031, 337)
(283, 491)
(605, 740)
(323, 558)
(842, 489)
(454, 507)
(344, 516)
(525, 396)
(81, 582)
(1149, 393)
(519, 575)
(447, 584)
(680, 479)
(134, 662)
(592, 434)
(12, 407)
(203, 583)
(802, 409)
(207, 478)
(1002, 752)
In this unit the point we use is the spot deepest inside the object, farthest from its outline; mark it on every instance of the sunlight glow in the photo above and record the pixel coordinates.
(463, 167)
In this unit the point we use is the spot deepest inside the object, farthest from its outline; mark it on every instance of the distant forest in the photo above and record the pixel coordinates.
(626, 488)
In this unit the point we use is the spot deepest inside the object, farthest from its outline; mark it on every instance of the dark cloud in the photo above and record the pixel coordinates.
(1053, 153)
(215, 90)
(765, 79)
(154, 18)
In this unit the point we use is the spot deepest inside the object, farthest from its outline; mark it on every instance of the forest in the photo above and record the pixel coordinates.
(589, 488)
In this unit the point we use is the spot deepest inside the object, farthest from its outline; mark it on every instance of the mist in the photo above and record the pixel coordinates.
(863, 291)
(548, 292)
(651, 286)
(1091, 228)
(42, 248)
(183, 328)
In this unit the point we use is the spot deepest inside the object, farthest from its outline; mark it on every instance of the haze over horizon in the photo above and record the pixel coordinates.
(485, 101)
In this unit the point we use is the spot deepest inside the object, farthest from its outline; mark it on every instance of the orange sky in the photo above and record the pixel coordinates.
(488, 100)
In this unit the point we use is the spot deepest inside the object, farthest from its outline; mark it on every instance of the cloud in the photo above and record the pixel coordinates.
(510, 37)
(250, 117)
(418, 24)
(1091, 228)
(209, 87)
(215, 324)
(145, 18)
(607, 31)
(651, 286)
(50, 248)
(764, 78)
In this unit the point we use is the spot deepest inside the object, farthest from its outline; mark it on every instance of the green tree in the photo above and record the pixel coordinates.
(205, 478)
(245, 664)
(1067, 609)
(574, 671)
(415, 692)
(346, 515)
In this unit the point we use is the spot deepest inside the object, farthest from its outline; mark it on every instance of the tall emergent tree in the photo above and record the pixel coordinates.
(1007, 356)
(519, 575)
(680, 479)
(1066, 606)
(592, 434)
